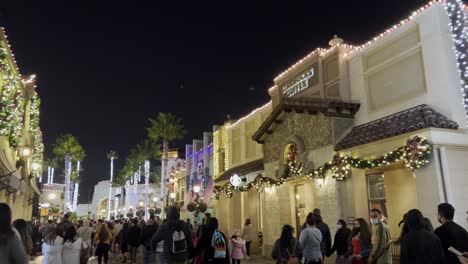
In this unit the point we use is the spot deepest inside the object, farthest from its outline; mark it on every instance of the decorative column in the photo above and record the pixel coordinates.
(110, 189)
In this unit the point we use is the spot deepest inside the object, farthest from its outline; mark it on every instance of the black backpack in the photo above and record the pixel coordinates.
(177, 243)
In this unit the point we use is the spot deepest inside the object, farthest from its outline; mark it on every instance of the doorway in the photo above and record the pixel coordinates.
(300, 207)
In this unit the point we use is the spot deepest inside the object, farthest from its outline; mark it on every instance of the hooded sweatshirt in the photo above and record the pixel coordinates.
(165, 233)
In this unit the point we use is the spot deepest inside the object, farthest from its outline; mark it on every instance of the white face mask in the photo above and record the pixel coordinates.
(374, 221)
(338, 226)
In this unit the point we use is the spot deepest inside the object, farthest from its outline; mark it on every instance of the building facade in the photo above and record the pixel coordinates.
(21, 146)
(351, 128)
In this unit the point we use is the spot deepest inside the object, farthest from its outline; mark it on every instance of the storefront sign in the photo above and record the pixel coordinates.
(304, 80)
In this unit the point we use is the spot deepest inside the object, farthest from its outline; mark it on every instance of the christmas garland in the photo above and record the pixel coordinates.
(415, 154)
(11, 101)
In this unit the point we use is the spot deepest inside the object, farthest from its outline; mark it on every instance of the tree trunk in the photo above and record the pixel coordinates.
(110, 188)
(67, 183)
(147, 174)
(164, 176)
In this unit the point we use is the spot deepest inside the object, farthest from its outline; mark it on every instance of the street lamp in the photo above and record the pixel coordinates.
(141, 203)
(172, 195)
(196, 188)
(155, 199)
(52, 196)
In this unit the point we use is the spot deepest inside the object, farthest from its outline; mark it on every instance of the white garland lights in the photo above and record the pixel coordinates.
(459, 27)
(458, 23)
(110, 188)
(147, 174)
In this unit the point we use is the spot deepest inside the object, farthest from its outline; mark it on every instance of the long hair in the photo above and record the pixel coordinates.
(6, 232)
(21, 227)
(70, 234)
(286, 236)
(364, 232)
(51, 235)
(103, 233)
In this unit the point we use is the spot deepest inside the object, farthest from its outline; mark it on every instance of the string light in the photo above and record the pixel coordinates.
(261, 108)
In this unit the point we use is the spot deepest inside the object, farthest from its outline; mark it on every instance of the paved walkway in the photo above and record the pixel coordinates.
(115, 260)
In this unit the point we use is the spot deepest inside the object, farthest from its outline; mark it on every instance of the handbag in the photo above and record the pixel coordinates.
(292, 259)
(84, 254)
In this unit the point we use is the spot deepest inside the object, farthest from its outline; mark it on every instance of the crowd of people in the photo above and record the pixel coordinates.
(175, 241)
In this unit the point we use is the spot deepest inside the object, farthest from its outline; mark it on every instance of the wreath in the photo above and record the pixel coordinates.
(191, 207)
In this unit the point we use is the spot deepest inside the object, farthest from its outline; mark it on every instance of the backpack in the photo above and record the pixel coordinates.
(219, 244)
(179, 241)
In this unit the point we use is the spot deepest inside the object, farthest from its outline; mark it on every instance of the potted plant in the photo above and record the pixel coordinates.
(158, 210)
(151, 211)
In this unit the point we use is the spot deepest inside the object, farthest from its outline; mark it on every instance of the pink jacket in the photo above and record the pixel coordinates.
(236, 248)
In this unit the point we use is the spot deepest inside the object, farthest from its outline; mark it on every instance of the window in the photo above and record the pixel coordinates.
(376, 192)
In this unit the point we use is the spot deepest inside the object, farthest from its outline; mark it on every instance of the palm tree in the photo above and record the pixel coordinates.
(67, 148)
(166, 128)
(112, 155)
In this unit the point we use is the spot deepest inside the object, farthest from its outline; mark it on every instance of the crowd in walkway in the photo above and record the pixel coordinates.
(175, 241)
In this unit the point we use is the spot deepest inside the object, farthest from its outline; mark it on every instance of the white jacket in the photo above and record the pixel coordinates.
(52, 253)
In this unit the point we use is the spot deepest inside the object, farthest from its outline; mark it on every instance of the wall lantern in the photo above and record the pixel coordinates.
(25, 151)
(196, 188)
(320, 182)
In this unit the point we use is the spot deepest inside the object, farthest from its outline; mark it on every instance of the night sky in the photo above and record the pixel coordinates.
(104, 69)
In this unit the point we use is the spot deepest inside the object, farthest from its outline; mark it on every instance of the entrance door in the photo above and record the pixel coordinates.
(300, 212)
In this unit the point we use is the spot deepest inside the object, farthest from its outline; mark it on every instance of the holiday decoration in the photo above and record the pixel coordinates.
(415, 154)
(158, 210)
(191, 207)
(202, 207)
(459, 27)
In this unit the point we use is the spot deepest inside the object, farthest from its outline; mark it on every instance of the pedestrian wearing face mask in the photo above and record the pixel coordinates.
(360, 242)
(381, 253)
(341, 243)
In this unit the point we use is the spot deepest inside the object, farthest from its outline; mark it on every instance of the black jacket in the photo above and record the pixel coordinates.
(326, 236)
(147, 235)
(421, 247)
(452, 235)
(165, 233)
(134, 236)
(341, 243)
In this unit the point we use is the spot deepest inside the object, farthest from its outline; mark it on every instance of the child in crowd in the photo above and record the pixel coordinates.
(236, 247)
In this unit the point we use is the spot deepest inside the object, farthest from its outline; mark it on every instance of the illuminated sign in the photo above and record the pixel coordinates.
(303, 81)
(235, 180)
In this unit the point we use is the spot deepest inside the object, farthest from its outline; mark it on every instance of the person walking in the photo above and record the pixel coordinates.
(360, 245)
(45, 229)
(149, 256)
(103, 241)
(72, 246)
(84, 232)
(212, 246)
(248, 235)
(21, 226)
(134, 238)
(176, 236)
(419, 246)
(380, 239)
(341, 243)
(11, 248)
(65, 223)
(52, 248)
(287, 249)
(115, 243)
(236, 247)
(310, 241)
(326, 242)
(121, 239)
(450, 233)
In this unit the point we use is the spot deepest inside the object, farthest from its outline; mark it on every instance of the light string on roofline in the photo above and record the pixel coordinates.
(353, 49)
(251, 114)
(458, 25)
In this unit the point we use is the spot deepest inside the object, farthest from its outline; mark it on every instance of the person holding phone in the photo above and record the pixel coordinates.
(450, 233)
(463, 258)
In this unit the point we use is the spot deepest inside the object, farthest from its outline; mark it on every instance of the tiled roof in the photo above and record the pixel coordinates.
(313, 106)
(419, 117)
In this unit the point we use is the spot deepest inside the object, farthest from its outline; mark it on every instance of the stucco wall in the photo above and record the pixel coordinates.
(442, 82)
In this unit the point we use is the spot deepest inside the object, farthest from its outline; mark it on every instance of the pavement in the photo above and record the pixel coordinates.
(114, 259)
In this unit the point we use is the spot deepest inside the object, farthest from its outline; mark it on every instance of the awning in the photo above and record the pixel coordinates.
(34, 186)
(16, 182)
